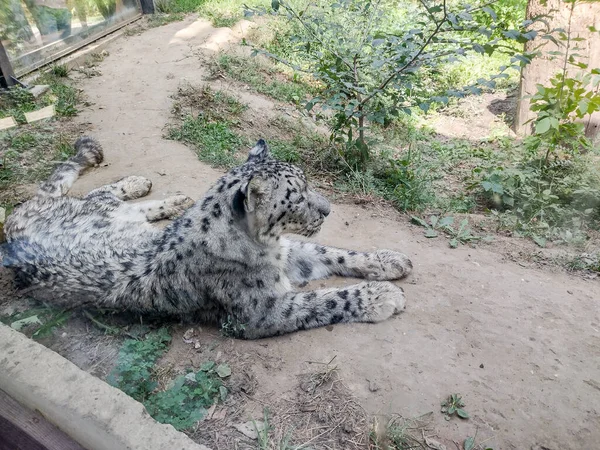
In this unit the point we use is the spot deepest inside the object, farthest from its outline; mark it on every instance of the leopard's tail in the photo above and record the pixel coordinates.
(89, 153)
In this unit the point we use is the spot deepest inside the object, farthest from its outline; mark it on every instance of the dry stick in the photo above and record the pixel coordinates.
(318, 436)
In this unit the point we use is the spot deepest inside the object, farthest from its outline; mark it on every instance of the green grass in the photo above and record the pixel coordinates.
(160, 19)
(30, 151)
(214, 142)
(261, 78)
(38, 322)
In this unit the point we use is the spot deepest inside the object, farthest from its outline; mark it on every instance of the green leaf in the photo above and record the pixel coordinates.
(539, 240)
(451, 410)
(542, 126)
(223, 393)
(418, 221)
(583, 106)
(431, 233)
(223, 370)
(491, 12)
(469, 443)
(20, 324)
(462, 413)
(446, 221)
(207, 366)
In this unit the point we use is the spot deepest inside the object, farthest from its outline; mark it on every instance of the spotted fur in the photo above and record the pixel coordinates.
(223, 259)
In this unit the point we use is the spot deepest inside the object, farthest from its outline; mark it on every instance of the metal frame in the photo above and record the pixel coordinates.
(11, 76)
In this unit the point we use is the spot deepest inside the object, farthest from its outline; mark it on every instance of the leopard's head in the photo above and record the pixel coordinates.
(277, 198)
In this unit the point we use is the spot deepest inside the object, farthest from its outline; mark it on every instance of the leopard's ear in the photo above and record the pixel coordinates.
(260, 152)
(255, 191)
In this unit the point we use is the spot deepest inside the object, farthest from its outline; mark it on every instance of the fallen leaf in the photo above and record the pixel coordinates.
(223, 370)
(433, 444)
(20, 324)
(251, 428)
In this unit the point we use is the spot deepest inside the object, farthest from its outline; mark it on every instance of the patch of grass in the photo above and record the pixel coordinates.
(399, 433)
(205, 122)
(16, 102)
(214, 142)
(30, 154)
(261, 78)
(587, 262)
(37, 323)
(60, 70)
(178, 6)
(160, 19)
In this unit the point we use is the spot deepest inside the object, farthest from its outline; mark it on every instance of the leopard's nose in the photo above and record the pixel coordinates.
(324, 209)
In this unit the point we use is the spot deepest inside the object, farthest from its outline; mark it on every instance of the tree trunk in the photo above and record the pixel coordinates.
(542, 68)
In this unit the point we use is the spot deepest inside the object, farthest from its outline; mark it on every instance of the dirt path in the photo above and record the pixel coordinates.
(520, 345)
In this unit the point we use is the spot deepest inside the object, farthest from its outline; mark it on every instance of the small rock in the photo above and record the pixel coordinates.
(191, 377)
(481, 366)
(197, 344)
(570, 292)
(188, 336)
(39, 89)
(250, 429)
(373, 386)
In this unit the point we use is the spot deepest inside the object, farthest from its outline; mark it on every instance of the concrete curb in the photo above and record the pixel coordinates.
(98, 416)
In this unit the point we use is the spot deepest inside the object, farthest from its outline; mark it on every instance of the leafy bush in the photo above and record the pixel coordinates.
(370, 72)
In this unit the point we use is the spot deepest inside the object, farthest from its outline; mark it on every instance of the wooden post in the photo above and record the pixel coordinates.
(5, 67)
(542, 68)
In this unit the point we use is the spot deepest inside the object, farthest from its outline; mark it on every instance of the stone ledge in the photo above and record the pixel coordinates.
(98, 416)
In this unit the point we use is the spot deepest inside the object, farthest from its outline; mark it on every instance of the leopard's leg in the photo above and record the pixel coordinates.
(89, 153)
(163, 209)
(308, 261)
(128, 188)
(364, 302)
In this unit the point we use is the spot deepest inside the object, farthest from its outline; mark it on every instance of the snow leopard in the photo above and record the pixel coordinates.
(226, 258)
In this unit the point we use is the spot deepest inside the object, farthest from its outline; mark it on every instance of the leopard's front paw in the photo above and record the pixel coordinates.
(178, 204)
(388, 265)
(384, 300)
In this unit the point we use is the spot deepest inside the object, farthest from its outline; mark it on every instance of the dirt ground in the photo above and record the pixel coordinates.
(520, 344)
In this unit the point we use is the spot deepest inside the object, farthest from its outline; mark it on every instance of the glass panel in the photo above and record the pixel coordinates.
(34, 32)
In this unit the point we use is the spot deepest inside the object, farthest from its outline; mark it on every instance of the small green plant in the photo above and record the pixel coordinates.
(434, 225)
(60, 70)
(589, 262)
(470, 443)
(232, 328)
(186, 401)
(133, 371)
(454, 405)
(461, 235)
(263, 431)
